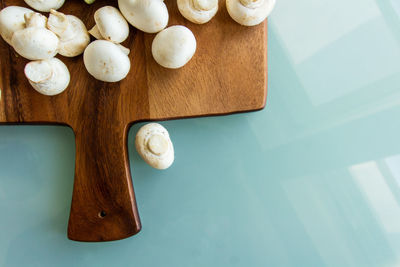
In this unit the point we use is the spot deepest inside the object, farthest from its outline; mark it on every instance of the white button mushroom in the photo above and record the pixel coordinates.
(35, 41)
(106, 61)
(154, 145)
(150, 16)
(73, 34)
(44, 5)
(48, 77)
(173, 47)
(12, 20)
(110, 25)
(249, 12)
(198, 11)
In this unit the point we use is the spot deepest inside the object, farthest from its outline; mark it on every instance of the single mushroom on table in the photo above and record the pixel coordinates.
(174, 47)
(48, 77)
(106, 61)
(249, 12)
(110, 25)
(154, 145)
(150, 16)
(71, 31)
(35, 41)
(44, 5)
(198, 11)
(11, 20)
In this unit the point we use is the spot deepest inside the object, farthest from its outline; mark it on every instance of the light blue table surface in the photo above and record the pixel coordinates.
(312, 180)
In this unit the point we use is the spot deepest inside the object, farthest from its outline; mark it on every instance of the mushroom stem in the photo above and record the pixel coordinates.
(251, 3)
(96, 33)
(35, 20)
(249, 12)
(124, 49)
(60, 25)
(198, 11)
(204, 5)
(58, 22)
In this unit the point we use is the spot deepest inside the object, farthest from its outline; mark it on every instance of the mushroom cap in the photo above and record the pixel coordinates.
(154, 145)
(174, 47)
(48, 77)
(35, 43)
(71, 31)
(12, 20)
(44, 5)
(198, 11)
(249, 12)
(150, 16)
(105, 61)
(111, 24)
(74, 46)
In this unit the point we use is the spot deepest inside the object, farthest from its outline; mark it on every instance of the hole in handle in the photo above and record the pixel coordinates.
(102, 214)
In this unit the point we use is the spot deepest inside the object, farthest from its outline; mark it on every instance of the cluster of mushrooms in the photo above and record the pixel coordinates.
(39, 39)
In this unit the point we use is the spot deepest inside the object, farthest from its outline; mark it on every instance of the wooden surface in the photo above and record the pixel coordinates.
(227, 74)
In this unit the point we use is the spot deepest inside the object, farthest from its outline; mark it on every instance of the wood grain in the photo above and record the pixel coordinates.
(228, 74)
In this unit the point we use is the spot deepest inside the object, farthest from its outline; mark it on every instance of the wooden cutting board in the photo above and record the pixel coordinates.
(227, 74)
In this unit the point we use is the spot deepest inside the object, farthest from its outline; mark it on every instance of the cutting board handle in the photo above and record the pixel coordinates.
(103, 203)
